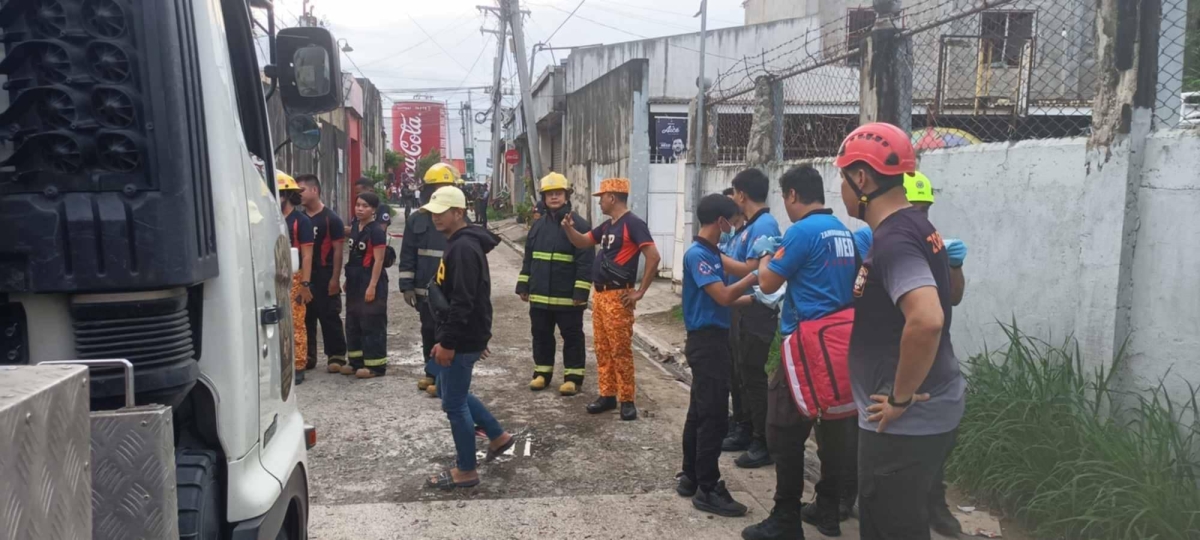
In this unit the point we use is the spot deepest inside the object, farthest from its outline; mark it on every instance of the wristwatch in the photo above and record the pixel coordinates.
(903, 405)
(306, 284)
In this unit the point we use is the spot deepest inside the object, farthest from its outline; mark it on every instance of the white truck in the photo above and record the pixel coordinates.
(139, 221)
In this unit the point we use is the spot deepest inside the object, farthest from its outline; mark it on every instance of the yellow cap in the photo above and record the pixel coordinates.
(285, 181)
(441, 173)
(554, 181)
(444, 199)
(918, 187)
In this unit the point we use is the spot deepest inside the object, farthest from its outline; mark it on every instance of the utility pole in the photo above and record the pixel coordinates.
(514, 12)
(497, 140)
(698, 141)
(468, 133)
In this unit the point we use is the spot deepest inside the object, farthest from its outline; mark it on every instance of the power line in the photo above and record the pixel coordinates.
(422, 28)
(642, 18)
(598, 23)
(560, 25)
(394, 55)
(676, 13)
(475, 63)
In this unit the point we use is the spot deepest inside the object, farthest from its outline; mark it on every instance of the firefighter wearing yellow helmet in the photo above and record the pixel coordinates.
(420, 255)
(555, 280)
(300, 232)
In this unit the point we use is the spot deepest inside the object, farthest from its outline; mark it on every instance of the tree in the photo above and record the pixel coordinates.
(391, 161)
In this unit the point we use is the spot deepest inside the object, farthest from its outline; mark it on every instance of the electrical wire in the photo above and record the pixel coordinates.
(439, 46)
(675, 13)
(560, 25)
(598, 23)
(475, 63)
(397, 54)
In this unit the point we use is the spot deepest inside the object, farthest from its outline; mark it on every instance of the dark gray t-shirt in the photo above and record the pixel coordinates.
(907, 254)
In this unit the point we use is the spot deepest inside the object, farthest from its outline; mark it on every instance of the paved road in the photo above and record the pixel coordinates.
(572, 476)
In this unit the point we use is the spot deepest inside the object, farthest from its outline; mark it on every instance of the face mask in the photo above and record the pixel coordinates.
(726, 237)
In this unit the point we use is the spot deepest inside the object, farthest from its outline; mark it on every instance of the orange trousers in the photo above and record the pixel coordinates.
(300, 360)
(612, 326)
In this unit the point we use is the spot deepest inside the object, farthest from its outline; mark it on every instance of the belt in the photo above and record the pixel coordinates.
(430, 253)
(601, 287)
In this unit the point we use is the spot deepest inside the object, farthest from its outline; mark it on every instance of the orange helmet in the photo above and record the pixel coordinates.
(881, 146)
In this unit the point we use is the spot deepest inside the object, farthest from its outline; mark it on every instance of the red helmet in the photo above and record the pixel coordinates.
(883, 147)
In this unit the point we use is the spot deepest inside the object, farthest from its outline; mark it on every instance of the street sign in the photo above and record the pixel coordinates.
(470, 156)
(511, 157)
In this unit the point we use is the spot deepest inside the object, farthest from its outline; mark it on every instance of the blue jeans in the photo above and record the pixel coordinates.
(463, 409)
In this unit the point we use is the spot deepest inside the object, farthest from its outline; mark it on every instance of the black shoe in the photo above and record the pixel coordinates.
(846, 509)
(783, 524)
(718, 501)
(299, 377)
(823, 516)
(738, 439)
(943, 522)
(602, 404)
(628, 411)
(684, 486)
(757, 456)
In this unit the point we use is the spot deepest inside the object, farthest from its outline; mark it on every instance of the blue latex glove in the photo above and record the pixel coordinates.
(764, 245)
(957, 251)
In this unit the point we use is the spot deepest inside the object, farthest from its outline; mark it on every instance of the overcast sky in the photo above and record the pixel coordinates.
(392, 48)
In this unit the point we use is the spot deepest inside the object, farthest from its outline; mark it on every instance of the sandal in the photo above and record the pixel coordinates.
(445, 481)
(493, 454)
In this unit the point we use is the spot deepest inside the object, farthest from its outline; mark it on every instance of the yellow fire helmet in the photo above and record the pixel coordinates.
(554, 181)
(918, 188)
(284, 181)
(441, 173)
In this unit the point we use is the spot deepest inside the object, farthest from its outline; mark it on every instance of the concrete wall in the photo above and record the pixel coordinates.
(764, 11)
(1166, 299)
(606, 134)
(1045, 238)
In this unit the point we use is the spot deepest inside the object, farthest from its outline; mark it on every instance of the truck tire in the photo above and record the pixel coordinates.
(199, 495)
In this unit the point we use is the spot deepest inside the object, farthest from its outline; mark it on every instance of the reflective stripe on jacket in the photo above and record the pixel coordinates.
(555, 274)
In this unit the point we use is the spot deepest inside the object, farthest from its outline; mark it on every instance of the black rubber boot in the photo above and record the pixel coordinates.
(757, 456)
(299, 377)
(942, 521)
(718, 501)
(823, 515)
(783, 524)
(602, 404)
(684, 486)
(846, 509)
(628, 411)
(738, 439)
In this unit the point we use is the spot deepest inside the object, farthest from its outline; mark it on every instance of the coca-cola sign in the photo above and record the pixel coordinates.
(418, 128)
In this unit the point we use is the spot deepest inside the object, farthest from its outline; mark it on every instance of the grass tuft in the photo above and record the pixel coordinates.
(1056, 446)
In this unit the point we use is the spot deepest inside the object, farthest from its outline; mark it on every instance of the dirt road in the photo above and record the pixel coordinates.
(572, 475)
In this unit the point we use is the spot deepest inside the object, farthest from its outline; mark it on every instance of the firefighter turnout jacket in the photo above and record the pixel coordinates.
(420, 253)
(555, 273)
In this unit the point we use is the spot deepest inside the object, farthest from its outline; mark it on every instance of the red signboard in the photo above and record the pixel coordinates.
(511, 157)
(418, 128)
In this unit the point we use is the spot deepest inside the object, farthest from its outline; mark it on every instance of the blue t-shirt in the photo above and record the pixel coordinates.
(762, 224)
(863, 238)
(701, 268)
(817, 259)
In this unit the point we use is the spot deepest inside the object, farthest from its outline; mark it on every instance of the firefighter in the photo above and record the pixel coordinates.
(300, 232)
(420, 254)
(366, 292)
(555, 280)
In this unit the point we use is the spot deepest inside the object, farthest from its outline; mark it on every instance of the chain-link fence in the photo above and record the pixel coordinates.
(982, 71)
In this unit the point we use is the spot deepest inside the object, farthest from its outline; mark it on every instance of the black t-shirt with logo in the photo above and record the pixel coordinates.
(908, 254)
(300, 228)
(328, 234)
(621, 244)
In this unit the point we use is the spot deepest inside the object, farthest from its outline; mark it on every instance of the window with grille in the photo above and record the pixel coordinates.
(1005, 34)
(858, 27)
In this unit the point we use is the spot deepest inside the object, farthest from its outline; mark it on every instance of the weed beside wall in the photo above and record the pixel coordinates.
(1071, 457)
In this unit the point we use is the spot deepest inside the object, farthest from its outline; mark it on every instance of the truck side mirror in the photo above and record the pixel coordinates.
(309, 70)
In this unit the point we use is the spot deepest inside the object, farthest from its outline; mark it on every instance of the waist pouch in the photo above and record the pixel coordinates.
(815, 361)
(611, 272)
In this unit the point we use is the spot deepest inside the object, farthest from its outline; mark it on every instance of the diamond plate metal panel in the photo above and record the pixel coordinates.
(44, 456)
(133, 486)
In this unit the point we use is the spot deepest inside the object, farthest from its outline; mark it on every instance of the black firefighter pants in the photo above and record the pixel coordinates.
(428, 327)
(750, 352)
(326, 310)
(570, 325)
(708, 354)
(837, 448)
(366, 339)
(896, 475)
